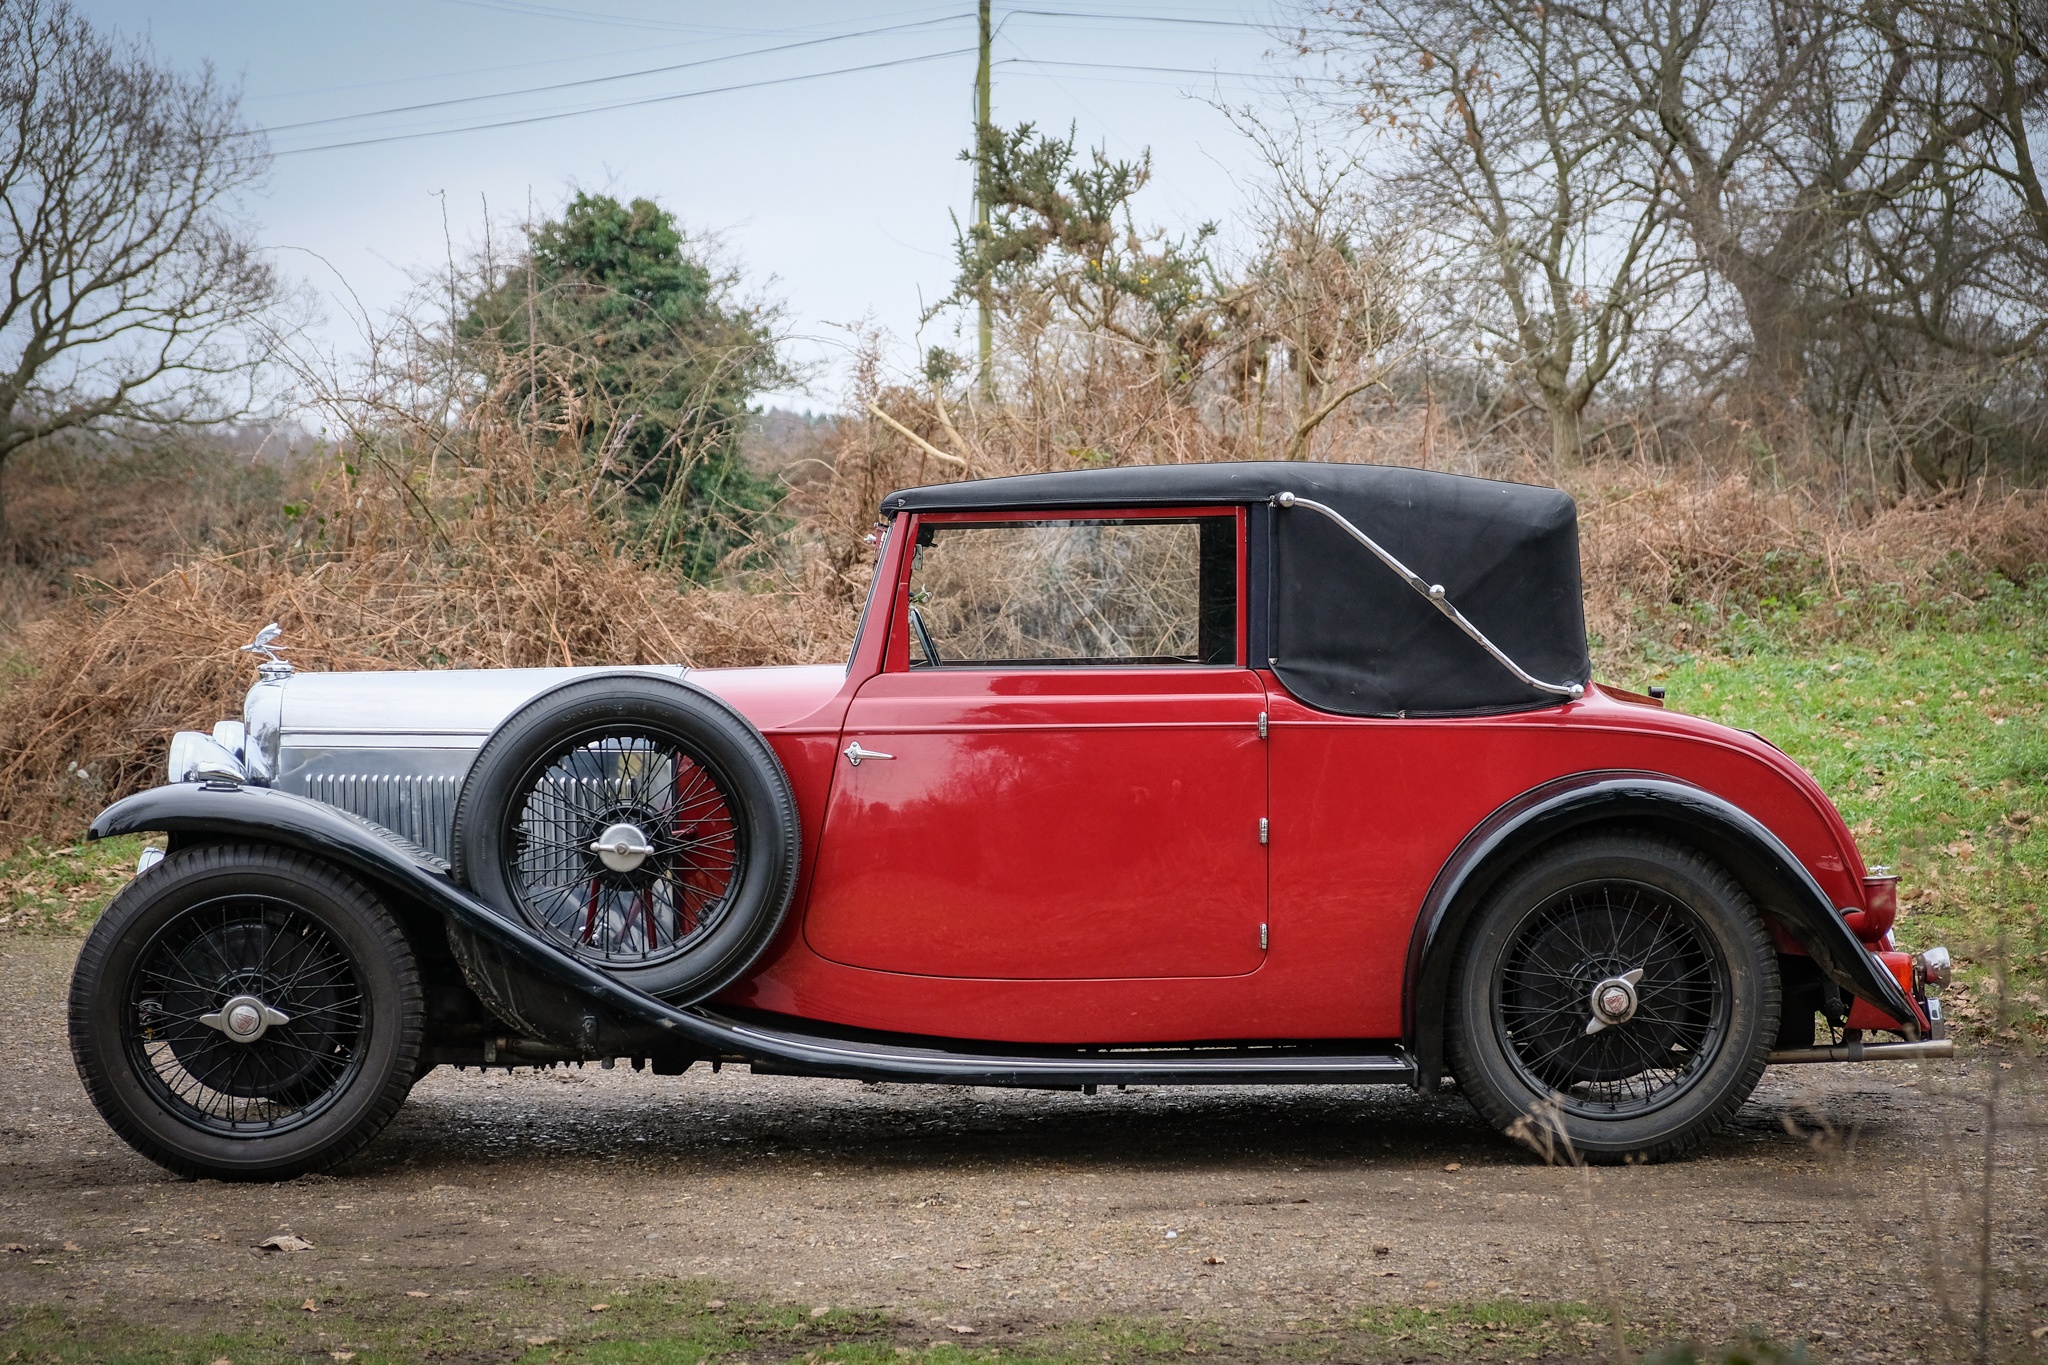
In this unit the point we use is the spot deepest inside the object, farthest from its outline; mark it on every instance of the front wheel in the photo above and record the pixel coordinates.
(246, 1013)
(1618, 992)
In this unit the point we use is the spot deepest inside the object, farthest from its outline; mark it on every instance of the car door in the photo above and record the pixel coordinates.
(1059, 774)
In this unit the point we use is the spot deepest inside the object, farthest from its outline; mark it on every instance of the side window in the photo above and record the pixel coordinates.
(1075, 591)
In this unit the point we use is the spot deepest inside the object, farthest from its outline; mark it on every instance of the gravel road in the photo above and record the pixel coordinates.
(1017, 1210)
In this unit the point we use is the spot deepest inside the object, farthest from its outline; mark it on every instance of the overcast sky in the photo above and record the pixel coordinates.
(834, 192)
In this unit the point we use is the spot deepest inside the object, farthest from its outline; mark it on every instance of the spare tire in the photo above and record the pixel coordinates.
(639, 824)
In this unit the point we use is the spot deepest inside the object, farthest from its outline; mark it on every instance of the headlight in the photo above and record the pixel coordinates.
(231, 735)
(198, 758)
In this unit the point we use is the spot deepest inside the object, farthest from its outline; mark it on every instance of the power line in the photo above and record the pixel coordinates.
(625, 104)
(641, 49)
(604, 80)
(1139, 18)
(1163, 70)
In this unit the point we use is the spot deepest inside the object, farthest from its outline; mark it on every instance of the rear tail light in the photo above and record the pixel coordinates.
(1933, 970)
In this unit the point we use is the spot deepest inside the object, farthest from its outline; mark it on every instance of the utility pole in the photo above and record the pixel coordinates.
(985, 322)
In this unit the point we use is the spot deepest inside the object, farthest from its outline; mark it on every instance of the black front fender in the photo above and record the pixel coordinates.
(1758, 859)
(261, 815)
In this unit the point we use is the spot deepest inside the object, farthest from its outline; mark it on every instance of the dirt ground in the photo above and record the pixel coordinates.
(1013, 1212)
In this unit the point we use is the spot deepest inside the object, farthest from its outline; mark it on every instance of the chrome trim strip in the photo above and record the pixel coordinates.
(1433, 593)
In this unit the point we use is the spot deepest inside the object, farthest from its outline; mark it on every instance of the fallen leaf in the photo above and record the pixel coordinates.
(1213, 1260)
(714, 1303)
(540, 1341)
(1454, 1166)
(1432, 1284)
(820, 1311)
(73, 1246)
(213, 1237)
(138, 1231)
(599, 1307)
(2039, 1333)
(310, 1306)
(13, 1249)
(41, 1260)
(962, 1329)
(341, 1355)
(284, 1241)
(417, 1294)
(970, 1265)
(223, 1361)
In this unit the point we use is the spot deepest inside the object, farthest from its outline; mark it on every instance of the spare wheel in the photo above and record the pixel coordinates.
(639, 824)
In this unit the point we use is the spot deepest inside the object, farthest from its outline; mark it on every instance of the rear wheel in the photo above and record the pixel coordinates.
(1619, 991)
(246, 1013)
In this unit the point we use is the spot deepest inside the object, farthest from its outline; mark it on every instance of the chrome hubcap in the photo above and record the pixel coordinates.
(622, 847)
(243, 1019)
(1614, 1001)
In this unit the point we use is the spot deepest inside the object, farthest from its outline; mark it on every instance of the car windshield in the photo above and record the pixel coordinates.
(1076, 591)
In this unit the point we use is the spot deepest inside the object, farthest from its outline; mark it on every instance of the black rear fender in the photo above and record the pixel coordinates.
(1774, 878)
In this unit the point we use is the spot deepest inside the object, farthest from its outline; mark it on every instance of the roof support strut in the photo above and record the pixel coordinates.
(1433, 593)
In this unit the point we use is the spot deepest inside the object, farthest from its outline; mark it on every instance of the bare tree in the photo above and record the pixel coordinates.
(1330, 303)
(1551, 210)
(131, 286)
(1787, 130)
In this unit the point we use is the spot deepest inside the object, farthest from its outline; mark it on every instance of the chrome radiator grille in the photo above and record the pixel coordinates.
(420, 806)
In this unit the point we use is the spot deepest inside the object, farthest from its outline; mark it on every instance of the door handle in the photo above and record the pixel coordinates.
(854, 753)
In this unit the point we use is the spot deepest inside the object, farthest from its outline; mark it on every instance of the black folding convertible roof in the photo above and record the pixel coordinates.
(1347, 633)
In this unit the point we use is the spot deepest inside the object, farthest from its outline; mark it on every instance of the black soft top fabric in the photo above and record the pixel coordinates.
(1347, 634)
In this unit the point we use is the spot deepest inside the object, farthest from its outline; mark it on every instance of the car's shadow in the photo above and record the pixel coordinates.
(741, 1122)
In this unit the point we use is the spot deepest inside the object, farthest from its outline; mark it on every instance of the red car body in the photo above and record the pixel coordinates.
(1063, 855)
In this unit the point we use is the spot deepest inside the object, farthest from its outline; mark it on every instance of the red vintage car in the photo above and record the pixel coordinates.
(1196, 775)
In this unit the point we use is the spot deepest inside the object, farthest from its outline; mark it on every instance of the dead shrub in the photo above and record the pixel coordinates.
(490, 545)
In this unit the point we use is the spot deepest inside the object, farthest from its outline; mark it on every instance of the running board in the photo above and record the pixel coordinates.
(793, 1052)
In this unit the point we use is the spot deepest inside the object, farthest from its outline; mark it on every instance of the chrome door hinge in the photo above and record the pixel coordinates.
(1262, 725)
(1265, 830)
(1262, 938)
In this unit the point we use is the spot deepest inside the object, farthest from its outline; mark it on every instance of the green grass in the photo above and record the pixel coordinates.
(543, 1322)
(1934, 745)
(62, 890)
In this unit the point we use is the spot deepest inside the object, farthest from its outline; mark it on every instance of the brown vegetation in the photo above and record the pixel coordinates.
(492, 547)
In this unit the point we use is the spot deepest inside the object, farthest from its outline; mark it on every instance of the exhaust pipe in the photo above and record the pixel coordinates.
(1933, 1049)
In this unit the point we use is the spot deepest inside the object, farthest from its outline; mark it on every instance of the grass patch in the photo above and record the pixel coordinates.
(62, 889)
(1481, 1330)
(686, 1323)
(1934, 744)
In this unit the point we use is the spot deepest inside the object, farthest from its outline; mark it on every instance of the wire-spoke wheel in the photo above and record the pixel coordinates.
(1612, 997)
(636, 823)
(626, 850)
(246, 1013)
(1621, 990)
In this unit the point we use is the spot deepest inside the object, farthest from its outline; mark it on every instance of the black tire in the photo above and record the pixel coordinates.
(713, 822)
(1695, 1027)
(201, 929)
